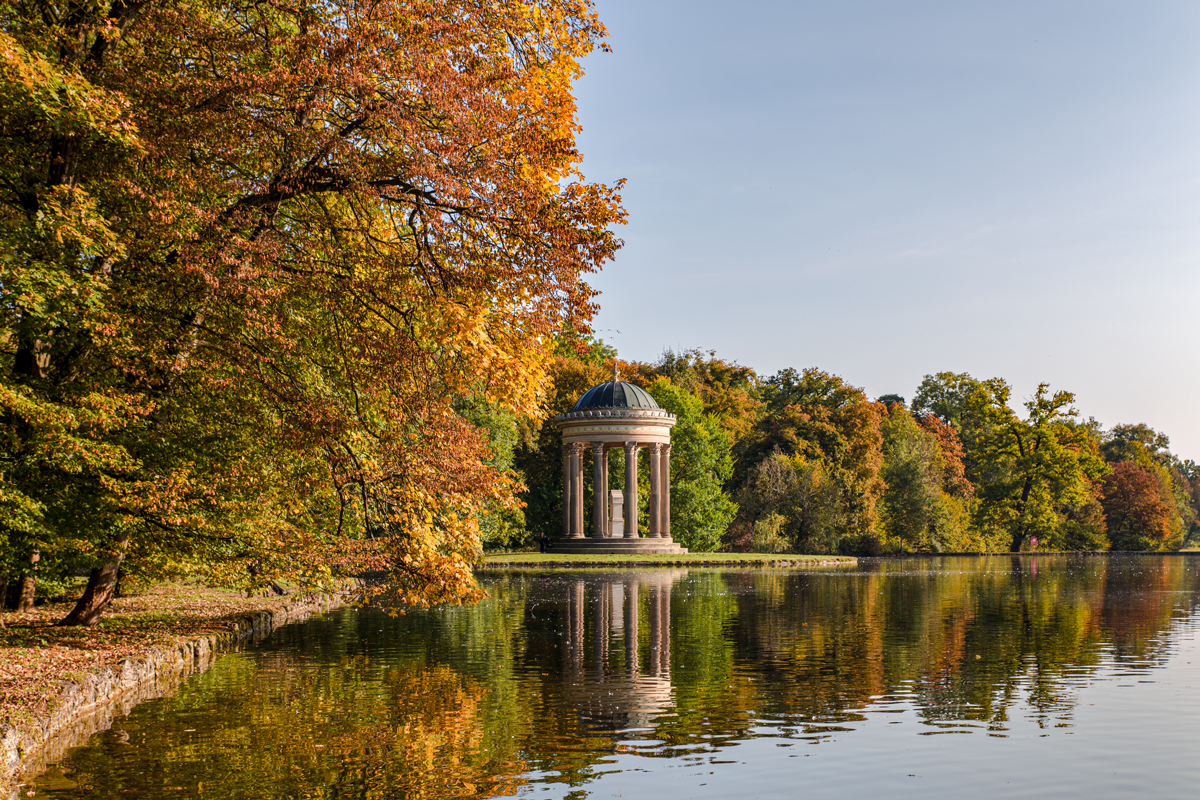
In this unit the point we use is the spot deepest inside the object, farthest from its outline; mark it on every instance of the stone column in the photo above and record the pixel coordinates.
(577, 490)
(566, 530)
(631, 498)
(665, 477)
(575, 626)
(601, 626)
(599, 491)
(608, 522)
(631, 628)
(655, 490)
(655, 629)
(664, 621)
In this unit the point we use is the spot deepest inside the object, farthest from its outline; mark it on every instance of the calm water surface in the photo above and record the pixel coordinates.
(991, 677)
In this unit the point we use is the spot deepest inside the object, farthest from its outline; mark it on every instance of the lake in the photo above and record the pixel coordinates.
(989, 677)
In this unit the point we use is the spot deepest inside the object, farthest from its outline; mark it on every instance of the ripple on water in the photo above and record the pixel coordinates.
(1029, 678)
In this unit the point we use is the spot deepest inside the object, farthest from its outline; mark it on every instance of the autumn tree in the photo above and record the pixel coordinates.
(924, 505)
(1149, 449)
(1139, 518)
(727, 389)
(954, 471)
(256, 255)
(829, 434)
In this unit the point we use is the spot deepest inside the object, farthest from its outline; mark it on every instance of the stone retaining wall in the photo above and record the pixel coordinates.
(90, 705)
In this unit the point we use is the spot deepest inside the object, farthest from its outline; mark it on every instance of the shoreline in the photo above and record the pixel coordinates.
(532, 560)
(82, 706)
(635, 561)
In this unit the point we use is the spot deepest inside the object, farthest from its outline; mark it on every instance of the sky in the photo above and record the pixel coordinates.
(887, 189)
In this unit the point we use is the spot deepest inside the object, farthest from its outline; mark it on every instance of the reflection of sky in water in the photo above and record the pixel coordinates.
(982, 677)
(1131, 735)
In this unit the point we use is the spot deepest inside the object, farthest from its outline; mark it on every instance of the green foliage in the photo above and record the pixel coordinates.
(918, 513)
(1035, 475)
(792, 499)
(584, 348)
(769, 535)
(499, 526)
(701, 462)
(814, 456)
(946, 395)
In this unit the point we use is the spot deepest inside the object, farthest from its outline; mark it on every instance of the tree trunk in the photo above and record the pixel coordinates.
(29, 584)
(99, 591)
(28, 590)
(3, 597)
(272, 586)
(1018, 538)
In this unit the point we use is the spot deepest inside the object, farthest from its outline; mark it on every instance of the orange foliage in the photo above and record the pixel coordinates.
(1136, 511)
(310, 230)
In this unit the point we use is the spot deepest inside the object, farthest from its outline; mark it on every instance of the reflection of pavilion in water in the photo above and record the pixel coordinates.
(609, 684)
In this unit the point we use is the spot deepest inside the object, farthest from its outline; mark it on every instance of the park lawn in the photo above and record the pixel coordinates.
(697, 559)
(36, 657)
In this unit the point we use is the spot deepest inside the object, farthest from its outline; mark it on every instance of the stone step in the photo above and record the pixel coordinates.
(642, 546)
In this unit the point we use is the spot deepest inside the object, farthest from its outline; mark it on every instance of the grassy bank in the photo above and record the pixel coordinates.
(501, 560)
(36, 657)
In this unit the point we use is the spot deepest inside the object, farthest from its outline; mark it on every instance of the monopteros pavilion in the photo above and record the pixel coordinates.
(610, 416)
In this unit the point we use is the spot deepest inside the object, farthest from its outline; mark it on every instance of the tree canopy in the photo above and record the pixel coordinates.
(255, 256)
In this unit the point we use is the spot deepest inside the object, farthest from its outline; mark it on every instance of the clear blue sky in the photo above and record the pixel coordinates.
(885, 189)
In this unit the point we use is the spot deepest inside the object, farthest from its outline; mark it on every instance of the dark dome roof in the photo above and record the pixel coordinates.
(615, 394)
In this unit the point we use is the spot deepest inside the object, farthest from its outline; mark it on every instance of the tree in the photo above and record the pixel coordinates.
(946, 395)
(829, 433)
(966, 405)
(923, 506)
(1142, 445)
(1139, 517)
(701, 462)
(727, 389)
(954, 473)
(790, 503)
(255, 257)
(1033, 475)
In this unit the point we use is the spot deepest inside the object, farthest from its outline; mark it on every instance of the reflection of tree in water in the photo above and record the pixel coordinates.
(1137, 606)
(558, 670)
(961, 644)
(964, 642)
(414, 732)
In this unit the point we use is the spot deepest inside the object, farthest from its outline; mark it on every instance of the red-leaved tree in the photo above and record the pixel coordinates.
(1138, 516)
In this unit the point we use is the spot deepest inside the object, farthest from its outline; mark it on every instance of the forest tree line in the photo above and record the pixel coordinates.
(801, 461)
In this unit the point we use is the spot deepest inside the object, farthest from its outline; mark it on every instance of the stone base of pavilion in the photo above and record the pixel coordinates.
(610, 547)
